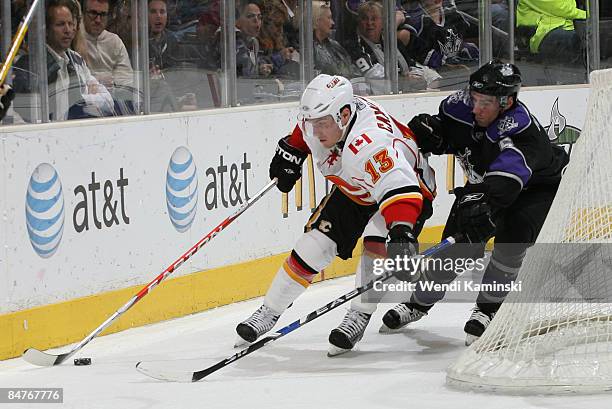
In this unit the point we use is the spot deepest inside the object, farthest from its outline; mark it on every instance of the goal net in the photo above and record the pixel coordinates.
(556, 334)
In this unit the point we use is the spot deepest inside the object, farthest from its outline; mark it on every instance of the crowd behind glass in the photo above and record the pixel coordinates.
(103, 58)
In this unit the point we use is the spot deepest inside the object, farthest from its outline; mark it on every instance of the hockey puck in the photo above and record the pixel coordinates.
(82, 361)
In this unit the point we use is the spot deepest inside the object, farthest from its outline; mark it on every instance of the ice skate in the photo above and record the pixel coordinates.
(399, 316)
(343, 338)
(476, 325)
(256, 325)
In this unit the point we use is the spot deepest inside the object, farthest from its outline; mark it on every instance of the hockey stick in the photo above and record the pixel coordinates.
(37, 357)
(194, 376)
(21, 32)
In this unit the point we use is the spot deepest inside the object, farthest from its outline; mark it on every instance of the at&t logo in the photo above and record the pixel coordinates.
(181, 189)
(45, 210)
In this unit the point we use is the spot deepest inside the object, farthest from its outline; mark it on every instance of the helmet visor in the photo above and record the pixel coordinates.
(483, 101)
(320, 127)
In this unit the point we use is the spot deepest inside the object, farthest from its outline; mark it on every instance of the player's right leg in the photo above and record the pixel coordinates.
(312, 253)
(333, 229)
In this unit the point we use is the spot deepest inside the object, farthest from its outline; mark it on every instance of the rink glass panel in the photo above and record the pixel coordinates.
(204, 72)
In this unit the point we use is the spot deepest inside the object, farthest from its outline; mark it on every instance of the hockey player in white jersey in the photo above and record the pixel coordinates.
(383, 188)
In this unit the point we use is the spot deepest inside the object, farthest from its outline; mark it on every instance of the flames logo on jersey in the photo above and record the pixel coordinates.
(333, 157)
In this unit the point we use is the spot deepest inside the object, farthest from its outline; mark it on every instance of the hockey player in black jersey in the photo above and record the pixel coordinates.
(513, 173)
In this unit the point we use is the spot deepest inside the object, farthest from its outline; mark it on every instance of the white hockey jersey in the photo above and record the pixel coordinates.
(379, 162)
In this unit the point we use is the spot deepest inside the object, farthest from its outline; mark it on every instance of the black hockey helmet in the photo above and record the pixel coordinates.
(496, 78)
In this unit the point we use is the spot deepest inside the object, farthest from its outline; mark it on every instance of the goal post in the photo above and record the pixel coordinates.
(556, 334)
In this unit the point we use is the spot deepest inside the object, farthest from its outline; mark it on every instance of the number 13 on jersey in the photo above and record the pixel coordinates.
(384, 164)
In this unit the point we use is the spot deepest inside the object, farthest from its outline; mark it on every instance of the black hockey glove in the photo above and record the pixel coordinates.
(473, 213)
(286, 165)
(402, 244)
(5, 101)
(428, 130)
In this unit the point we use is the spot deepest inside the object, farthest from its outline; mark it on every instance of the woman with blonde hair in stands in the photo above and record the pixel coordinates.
(79, 44)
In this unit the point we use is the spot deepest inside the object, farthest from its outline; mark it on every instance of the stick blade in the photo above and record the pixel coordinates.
(40, 358)
(164, 374)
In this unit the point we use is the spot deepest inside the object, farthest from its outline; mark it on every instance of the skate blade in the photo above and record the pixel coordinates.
(386, 330)
(241, 342)
(470, 339)
(335, 351)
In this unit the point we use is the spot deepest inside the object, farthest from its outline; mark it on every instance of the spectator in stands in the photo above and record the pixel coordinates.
(552, 25)
(79, 44)
(207, 32)
(165, 52)
(163, 44)
(250, 61)
(73, 91)
(106, 56)
(348, 15)
(439, 41)
(367, 51)
(329, 56)
(274, 44)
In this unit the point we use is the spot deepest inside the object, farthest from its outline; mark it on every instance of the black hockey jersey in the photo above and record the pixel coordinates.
(434, 44)
(366, 58)
(511, 155)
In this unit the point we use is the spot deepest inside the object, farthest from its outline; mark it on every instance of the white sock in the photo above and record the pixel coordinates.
(284, 290)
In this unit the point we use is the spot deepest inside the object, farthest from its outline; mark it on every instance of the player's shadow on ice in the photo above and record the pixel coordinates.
(432, 342)
(375, 354)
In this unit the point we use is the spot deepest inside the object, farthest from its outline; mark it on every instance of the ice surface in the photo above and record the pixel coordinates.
(405, 370)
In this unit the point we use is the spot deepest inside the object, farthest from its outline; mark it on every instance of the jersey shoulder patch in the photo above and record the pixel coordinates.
(511, 123)
(457, 106)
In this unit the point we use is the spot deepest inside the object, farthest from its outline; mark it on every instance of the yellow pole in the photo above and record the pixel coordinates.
(450, 173)
(298, 194)
(285, 204)
(312, 193)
